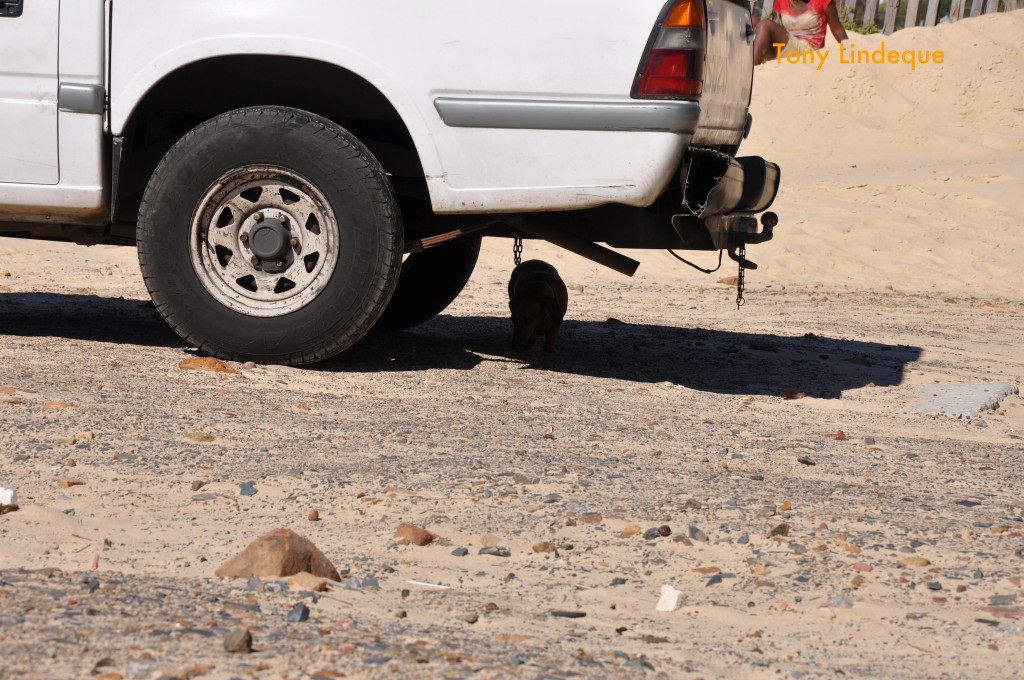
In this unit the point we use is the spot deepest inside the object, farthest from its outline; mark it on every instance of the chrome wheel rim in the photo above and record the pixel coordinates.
(264, 241)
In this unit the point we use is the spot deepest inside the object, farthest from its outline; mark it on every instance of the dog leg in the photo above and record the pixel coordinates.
(549, 339)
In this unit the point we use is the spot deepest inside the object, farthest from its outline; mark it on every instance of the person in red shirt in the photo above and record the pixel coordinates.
(802, 29)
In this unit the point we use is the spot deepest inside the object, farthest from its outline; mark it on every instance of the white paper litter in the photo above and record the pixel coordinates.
(671, 599)
(8, 496)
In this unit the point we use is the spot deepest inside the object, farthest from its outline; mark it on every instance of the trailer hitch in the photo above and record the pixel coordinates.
(741, 235)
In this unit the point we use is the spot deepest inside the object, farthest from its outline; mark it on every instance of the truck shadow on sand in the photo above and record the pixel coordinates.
(702, 359)
(708, 360)
(84, 317)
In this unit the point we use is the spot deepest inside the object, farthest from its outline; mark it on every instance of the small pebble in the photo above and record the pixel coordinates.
(779, 530)
(247, 488)
(915, 561)
(561, 613)
(414, 534)
(807, 460)
(238, 641)
(314, 515)
(496, 551)
(460, 552)
(299, 613)
(698, 535)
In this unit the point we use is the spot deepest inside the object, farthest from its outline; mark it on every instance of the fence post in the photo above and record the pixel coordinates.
(956, 8)
(870, 10)
(992, 6)
(975, 7)
(912, 9)
(848, 9)
(892, 10)
(932, 13)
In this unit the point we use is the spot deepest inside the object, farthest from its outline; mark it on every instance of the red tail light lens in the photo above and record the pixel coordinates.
(671, 72)
(674, 64)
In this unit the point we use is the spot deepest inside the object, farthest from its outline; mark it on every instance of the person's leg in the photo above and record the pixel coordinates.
(766, 34)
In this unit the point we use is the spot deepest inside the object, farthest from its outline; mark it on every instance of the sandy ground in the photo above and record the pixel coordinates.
(829, 535)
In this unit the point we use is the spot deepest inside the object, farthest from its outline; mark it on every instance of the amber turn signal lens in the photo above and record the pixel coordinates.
(686, 14)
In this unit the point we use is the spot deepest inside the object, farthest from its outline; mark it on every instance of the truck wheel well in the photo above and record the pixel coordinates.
(203, 90)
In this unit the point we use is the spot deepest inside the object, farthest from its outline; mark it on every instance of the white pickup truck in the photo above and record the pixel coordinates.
(297, 173)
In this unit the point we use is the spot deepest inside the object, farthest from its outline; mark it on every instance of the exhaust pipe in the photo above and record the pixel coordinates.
(599, 254)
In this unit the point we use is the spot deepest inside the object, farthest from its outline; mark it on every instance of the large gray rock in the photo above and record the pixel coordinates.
(962, 401)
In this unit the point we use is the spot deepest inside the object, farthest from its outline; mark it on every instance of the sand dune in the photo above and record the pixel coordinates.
(900, 177)
(891, 176)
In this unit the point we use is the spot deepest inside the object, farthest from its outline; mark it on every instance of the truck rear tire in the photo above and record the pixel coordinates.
(429, 282)
(270, 234)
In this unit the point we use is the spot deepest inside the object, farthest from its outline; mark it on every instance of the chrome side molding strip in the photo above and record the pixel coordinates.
(526, 114)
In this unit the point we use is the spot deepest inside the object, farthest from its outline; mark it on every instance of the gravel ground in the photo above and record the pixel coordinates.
(812, 525)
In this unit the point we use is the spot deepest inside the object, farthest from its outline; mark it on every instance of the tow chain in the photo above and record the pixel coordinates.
(517, 251)
(742, 252)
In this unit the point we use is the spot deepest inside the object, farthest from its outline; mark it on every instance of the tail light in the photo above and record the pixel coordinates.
(673, 66)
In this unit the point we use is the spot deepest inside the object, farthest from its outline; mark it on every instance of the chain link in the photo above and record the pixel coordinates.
(740, 284)
(517, 251)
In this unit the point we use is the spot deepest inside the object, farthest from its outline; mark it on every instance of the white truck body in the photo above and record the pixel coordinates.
(53, 163)
(413, 52)
(471, 107)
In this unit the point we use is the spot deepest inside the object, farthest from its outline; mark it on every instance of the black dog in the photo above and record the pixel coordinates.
(537, 299)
